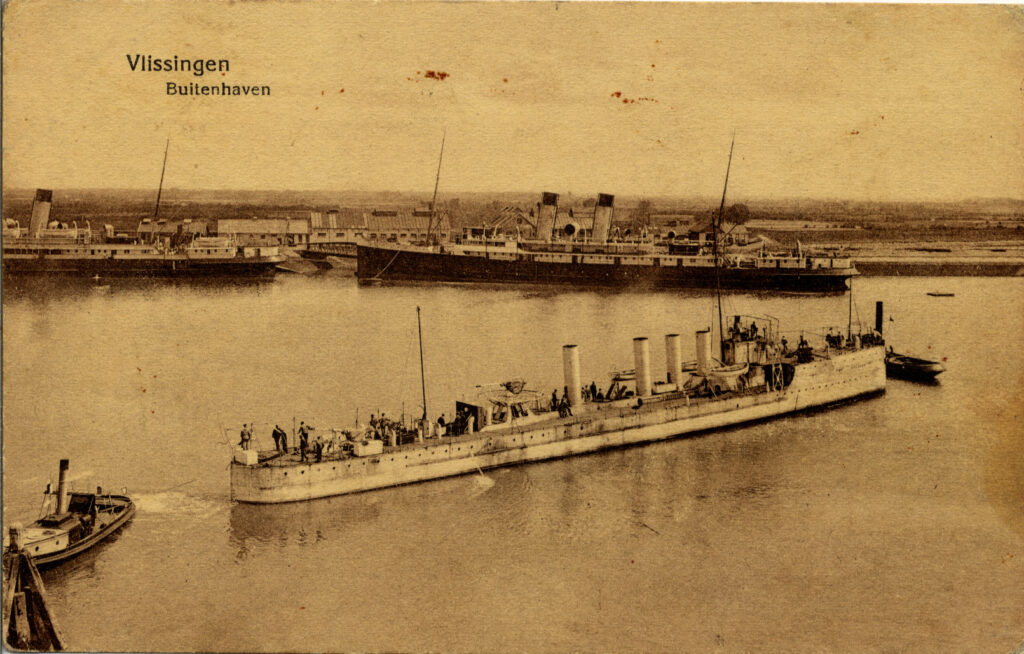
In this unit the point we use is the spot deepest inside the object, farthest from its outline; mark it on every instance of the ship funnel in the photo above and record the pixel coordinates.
(602, 217)
(62, 487)
(546, 219)
(642, 361)
(704, 351)
(878, 317)
(674, 357)
(40, 212)
(571, 364)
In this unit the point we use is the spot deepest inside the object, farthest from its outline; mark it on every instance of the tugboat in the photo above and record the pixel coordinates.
(73, 521)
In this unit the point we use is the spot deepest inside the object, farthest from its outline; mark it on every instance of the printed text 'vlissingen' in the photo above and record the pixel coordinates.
(198, 66)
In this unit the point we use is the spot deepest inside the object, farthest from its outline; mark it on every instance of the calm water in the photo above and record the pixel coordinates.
(895, 523)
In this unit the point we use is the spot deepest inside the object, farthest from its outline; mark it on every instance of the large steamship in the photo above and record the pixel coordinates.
(757, 377)
(593, 256)
(53, 247)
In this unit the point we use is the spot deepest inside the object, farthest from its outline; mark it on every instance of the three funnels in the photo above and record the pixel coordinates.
(642, 363)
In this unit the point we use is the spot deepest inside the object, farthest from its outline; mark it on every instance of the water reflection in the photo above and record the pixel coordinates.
(49, 288)
(303, 523)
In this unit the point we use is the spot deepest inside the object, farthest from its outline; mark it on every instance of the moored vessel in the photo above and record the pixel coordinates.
(51, 247)
(904, 366)
(590, 254)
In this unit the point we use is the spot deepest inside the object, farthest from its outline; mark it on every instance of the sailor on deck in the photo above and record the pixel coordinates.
(246, 437)
(303, 441)
(280, 439)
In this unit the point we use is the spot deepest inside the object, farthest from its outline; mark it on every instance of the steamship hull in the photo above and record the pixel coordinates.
(375, 263)
(843, 377)
(152, 267)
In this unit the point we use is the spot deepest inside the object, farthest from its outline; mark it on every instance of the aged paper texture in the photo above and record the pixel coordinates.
(421, 146)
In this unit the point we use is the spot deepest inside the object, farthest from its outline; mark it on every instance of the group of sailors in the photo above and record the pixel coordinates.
(563, 406)
(738, 333)
(854, 340)
(305, 448)
(463, 423)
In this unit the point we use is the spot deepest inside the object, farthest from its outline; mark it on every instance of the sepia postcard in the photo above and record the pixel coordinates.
(517, 326)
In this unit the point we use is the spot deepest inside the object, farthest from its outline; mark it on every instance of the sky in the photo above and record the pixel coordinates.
(863, 102)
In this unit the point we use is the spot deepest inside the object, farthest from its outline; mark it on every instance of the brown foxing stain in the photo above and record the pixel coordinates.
(640, 100)
(341, 91)
(854, 133)
(436, 75)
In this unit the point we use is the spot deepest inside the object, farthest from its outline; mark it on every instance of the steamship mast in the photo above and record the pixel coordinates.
(437, 181)
(714, 245)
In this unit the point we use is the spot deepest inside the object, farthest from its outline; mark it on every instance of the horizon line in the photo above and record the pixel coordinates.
(453, 194)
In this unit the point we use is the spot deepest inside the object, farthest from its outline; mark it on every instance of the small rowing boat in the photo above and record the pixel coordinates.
(913, 368)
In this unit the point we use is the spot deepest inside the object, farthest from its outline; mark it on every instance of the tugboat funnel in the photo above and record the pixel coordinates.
(642, 361)
(571, 364)
(878, 317)
(62, 487)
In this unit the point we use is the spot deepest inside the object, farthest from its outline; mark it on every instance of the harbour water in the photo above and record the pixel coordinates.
(895, 523)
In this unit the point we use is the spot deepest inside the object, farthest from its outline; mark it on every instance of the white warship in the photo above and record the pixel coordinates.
(758, 376)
